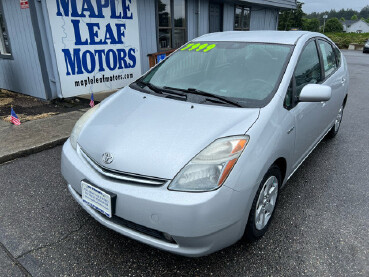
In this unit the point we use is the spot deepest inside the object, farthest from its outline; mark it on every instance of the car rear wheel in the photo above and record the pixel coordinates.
(264, 204)
(337, 123)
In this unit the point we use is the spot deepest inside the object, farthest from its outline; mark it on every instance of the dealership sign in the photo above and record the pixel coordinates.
(96, 44)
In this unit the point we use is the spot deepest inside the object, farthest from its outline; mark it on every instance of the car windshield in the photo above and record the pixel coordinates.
(248, 73)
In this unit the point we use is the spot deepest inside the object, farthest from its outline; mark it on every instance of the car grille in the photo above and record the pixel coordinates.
(137, 227)
(124, 176)
(140, 229)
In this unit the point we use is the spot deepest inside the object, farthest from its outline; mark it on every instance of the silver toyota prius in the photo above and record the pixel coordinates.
(191, 157)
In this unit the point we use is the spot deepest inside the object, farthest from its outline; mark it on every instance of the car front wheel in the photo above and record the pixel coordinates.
(264, 204)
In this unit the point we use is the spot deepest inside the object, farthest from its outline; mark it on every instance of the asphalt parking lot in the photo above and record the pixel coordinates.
(320, 226)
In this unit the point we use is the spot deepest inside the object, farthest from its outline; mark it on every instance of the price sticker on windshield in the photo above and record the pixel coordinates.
(198, 47)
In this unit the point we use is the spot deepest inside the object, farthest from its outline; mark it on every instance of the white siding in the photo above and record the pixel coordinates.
(23, 72)
(204, 17)
(193, 13)
(228, 17)
(146, 10)
(358, 26)
(192, 8)
(263, 19)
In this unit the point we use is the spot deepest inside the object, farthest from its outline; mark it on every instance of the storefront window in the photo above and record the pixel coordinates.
(172, 24)
(4, 38)
(241, 18)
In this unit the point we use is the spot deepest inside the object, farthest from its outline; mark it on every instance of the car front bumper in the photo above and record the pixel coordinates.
(199, 223)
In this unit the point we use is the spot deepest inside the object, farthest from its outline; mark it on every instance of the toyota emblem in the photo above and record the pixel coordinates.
(107, 158)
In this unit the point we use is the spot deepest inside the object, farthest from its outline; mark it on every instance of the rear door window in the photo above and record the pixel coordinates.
(328, 56)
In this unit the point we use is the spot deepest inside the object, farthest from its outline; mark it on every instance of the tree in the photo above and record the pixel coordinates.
(311, 24)
(342, 19)
(354, 17)
(342, 13)
(364, 12)
(291, 18)
(333, 25)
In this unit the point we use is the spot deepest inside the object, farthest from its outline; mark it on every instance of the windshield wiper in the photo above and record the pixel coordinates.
(163, 91)
(208, 95)
(150, 86)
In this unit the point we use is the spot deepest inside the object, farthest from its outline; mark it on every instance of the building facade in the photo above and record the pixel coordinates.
(64, 48)
(355, 26)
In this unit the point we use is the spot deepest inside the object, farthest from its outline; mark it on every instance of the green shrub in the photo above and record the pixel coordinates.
(343, 40)
(333, 25)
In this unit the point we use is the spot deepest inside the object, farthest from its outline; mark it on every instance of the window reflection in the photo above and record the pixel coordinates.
(241, 18)
(164, 38)
(164, 13)
(4, 38)
(172, 24)
(179, 13)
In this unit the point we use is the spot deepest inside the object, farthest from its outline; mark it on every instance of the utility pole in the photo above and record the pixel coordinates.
(324, 18)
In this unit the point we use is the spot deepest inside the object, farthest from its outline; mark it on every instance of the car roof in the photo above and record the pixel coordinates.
(279, 37)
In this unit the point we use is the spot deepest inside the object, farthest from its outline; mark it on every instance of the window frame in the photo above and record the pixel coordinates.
(338, 52)
(172, 25)
(321, 58)
(10, 55)
(243, 7)
(295, 101)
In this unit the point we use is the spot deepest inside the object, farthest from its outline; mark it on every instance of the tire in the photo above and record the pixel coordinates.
(335, 128)
(263, 202)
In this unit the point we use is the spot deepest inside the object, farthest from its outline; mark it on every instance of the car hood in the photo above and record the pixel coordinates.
(155, 136)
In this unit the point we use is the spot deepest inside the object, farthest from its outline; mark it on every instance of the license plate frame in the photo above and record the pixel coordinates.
(97, 198)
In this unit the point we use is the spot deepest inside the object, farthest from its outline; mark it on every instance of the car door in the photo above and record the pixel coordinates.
(335, 77)
(309, 123)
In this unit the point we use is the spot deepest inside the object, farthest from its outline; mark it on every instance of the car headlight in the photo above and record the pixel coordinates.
(79, 125)
(210, 168)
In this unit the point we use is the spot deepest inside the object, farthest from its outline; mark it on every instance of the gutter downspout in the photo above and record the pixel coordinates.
(55, 78)
(41, 56)
(198, 17)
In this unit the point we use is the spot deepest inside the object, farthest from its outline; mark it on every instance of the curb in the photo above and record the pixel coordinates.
(36, 136)
(32, 150)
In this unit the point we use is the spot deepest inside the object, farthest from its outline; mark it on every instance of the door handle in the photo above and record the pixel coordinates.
(323, 103)
(340, 81)
(290, 130)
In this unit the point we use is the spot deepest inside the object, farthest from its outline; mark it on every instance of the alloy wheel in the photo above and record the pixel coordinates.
(266, 202)
(337, 123)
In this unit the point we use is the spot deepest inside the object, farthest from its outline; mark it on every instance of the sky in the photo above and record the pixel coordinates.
(326, 5)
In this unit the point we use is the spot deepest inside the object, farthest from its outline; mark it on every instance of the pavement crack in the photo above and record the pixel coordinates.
(66, 236)
(15, 261)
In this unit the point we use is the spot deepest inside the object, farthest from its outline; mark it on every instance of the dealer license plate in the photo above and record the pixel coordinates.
(97, 199)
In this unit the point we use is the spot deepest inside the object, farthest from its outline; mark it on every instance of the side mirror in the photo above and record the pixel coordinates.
(315, 93)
